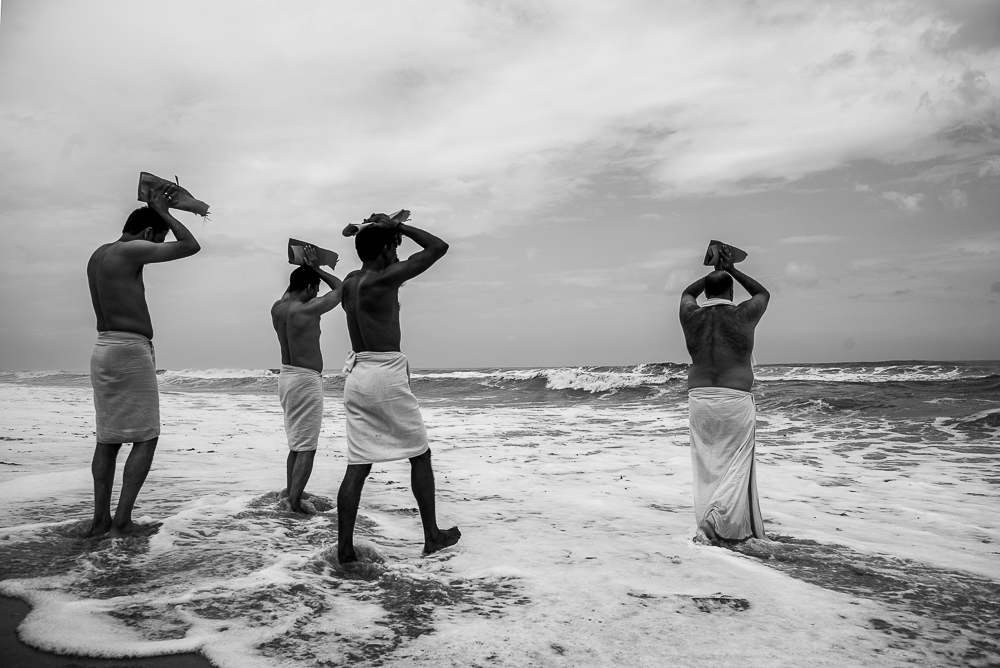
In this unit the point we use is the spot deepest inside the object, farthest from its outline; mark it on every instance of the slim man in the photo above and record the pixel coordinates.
(295, 318)
(383, 418)
(123, 364)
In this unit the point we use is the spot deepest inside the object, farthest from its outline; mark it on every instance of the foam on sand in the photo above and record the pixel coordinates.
(576, 546)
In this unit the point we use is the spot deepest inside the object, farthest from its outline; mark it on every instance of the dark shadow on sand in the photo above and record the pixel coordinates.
(958, 611)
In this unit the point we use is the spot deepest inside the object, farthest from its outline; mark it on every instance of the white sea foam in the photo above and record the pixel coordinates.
(576, 545)
(897, 373)
(214, 374)
(28, 375)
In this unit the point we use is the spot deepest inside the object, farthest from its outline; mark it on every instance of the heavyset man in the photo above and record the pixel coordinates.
(383, 418)
(123, 364)
(719, 336)
(295, 318)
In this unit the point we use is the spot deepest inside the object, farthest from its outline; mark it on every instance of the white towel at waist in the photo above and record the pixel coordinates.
(723, 423)
(383, 417)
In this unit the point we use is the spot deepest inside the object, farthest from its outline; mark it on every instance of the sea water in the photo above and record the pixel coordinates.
(572, 488)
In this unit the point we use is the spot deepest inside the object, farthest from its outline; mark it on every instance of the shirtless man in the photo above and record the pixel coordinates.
(383, 418)
(720, 336)
(300, 386)
(123, 364)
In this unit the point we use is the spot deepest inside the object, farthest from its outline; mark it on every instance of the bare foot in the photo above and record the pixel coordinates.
(346, 555)
(98, 528)
(302, 508)
(707, 531)
(443, 539)
(133, 529)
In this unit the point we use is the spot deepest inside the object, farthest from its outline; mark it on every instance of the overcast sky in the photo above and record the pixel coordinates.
(578, 156)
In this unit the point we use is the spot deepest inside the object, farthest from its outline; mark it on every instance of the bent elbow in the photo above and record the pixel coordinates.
(442, 249)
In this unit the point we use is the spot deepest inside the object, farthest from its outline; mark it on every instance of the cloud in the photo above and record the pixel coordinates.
(483, 112)
(802, 273)
(971, 25)
(990, 167)
(955, 198)
(813, 239)
(995, 287)
(908, 203)
(862, 188)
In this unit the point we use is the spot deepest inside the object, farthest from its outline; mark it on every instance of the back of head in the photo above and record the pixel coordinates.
(302, 278)
(370, 241)
(718, 284)
(142, 218)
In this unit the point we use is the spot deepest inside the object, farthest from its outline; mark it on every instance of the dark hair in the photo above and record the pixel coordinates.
(718, 283)
(302, 278)
(370, 241)
(142, 218)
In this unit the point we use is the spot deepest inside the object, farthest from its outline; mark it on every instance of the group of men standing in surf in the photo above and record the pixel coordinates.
(383, 420)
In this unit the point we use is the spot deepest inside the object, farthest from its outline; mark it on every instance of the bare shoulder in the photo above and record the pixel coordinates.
(752, 309)
(99, 252)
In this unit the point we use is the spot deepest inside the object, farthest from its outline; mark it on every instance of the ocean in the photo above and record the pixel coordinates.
(572, 486)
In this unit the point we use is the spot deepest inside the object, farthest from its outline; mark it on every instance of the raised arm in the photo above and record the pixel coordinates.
(432, 250)
(689, 298)
(329, 301)
(759, 296)
(184, 243)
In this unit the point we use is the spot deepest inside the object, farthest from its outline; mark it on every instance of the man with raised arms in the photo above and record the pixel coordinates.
(123, 364)
(383, 418)
(295, 318)
(719, 336)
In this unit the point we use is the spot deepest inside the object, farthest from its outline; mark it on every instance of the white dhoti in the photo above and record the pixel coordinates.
(723, 423)
(126, 397)
(383, 418)
(301, 393)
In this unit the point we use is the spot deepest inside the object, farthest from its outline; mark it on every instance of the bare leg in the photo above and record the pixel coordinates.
(136, 468)
(289, 467)
(348, 500)
(103, 469)
(301, 470)
(422, 481)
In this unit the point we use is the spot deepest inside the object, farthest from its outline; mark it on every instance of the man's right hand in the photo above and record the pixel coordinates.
(161, 198)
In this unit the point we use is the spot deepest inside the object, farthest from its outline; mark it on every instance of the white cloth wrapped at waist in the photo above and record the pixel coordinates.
(301, 393)
(126, 397)
(383, 418)
(723, 423)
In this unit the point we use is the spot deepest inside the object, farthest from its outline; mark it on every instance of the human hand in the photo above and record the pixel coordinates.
(382, 220)
(309, 256)
(162, 197)
(725, 262)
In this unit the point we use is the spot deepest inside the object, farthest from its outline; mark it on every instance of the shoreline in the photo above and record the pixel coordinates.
(18, 655)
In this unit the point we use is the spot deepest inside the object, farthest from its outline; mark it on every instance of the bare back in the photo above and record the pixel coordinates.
(117, 289)
(302, 337)
(372, 308)
(720, 341)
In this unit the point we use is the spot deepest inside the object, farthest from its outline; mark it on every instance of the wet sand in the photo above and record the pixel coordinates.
(16, 654)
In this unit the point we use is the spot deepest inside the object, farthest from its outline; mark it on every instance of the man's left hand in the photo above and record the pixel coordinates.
(725, 258)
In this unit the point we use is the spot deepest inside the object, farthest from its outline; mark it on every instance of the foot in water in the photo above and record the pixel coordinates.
(706, 534)
(98, 529)
(443, 539)
(133, 529)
